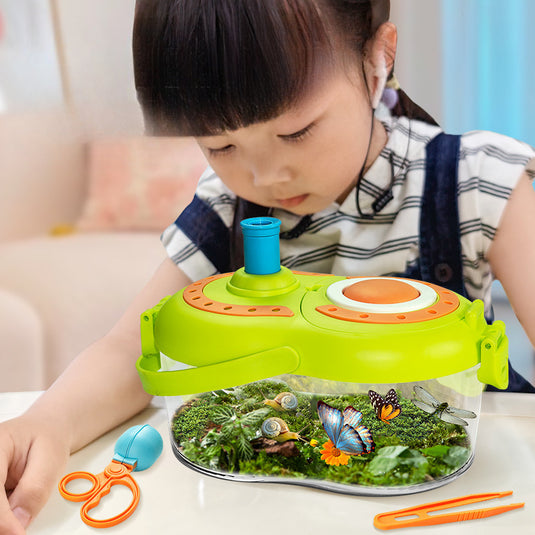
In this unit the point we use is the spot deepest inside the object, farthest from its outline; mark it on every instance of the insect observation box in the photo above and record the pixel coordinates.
(361, 385)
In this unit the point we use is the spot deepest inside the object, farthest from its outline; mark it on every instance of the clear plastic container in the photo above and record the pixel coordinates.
(363, 385)
(290, 429)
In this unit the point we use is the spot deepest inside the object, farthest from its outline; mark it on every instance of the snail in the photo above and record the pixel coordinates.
(285, 401)
(277, 429)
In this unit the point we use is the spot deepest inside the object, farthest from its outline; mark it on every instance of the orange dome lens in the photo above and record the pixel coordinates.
(381, 291)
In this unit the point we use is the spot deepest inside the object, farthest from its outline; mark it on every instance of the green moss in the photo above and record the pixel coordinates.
(191, 420)
(219, 430)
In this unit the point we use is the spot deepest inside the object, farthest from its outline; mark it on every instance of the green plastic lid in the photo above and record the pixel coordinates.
(233, 339)
(241, 327)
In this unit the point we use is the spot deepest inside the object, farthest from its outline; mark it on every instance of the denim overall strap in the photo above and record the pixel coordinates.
(440, 241)
(203, 226)
(221, 245)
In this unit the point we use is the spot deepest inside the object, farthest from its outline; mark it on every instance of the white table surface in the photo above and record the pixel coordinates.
(175, 499)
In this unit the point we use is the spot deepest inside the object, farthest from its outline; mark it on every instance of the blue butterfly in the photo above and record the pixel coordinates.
(344, 429)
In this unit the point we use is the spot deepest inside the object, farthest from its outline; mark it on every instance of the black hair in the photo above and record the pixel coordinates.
(205, 66)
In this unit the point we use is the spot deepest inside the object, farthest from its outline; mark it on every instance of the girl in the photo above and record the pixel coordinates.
(284, 98)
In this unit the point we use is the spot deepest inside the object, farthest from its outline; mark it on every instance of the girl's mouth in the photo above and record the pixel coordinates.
(292, 202)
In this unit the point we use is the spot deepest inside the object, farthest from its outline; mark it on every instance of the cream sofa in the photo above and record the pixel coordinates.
(58, 293)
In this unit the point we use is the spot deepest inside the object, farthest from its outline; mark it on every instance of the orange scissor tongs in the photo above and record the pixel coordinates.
(136, 449)
(395, 519)
(115, 473)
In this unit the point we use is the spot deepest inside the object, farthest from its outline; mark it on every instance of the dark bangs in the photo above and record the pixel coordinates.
(205, 66)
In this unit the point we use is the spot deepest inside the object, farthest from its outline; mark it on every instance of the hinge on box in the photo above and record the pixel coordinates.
(494, 353)
(149, 349)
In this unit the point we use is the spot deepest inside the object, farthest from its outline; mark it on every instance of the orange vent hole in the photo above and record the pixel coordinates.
(381, 291)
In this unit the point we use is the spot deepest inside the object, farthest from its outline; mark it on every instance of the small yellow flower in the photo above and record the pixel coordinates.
(333, 456)
(314, 442)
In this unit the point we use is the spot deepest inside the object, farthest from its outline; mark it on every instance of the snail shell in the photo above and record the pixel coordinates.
(273, 427)
(285, 401)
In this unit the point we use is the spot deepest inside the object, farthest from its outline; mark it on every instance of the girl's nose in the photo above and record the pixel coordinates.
(269, 175)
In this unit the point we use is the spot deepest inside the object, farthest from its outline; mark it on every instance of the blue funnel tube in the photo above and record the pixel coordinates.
(261, 245)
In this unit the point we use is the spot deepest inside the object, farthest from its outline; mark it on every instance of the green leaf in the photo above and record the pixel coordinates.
(214, 463)
(250, 433)
(381, 465)
(254, 417)
(244, 449)
(212, 437)
(457, 456)
(392, 451)
(212, 451)
(437, 451)
(223, 414)
(413, 458)
(227, 431)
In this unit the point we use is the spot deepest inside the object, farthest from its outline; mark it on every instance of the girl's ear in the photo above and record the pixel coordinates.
(379, 60)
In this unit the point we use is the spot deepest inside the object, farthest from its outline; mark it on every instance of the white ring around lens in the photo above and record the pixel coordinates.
(427, 297)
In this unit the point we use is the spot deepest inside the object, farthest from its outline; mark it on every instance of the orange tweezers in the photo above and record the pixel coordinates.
(395, 519)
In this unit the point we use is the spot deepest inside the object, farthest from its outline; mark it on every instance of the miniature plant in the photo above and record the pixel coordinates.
(229, 441)
(222, 431)
(237, 432)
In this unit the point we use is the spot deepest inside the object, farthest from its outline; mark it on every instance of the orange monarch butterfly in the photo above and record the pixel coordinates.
(386, 408)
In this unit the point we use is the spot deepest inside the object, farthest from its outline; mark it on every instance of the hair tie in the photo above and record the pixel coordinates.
(390, 98)
(390, 95)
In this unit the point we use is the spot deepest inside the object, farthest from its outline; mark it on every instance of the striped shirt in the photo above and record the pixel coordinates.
(342, 242)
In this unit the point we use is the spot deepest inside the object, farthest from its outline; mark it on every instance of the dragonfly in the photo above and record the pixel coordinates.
(428, 403)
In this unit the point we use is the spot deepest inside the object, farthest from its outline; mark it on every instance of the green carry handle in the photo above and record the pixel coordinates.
(242, 370)
(226, 374)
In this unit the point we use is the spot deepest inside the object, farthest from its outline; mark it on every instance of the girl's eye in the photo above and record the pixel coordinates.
(221, 151)
(298, 136)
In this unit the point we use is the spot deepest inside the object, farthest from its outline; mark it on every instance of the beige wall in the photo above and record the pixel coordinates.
(418, 65)
(97, 59)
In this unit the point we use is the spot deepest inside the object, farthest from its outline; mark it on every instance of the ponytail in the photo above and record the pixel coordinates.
(405, 107)
(400, 105)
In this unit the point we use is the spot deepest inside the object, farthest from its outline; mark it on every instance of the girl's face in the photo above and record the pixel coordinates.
(307, 157)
